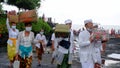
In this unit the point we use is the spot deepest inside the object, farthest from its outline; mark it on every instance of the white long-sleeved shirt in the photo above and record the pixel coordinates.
(84, 37)
(65, 51)
(96, 52)
(56, 40)
(40, 37)
(12, 34)
(71, 41)
(85, 46)
(89, 52)
(25, 41)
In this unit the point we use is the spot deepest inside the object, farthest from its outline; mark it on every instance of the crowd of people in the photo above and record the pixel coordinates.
(115, 33)
(20, 46)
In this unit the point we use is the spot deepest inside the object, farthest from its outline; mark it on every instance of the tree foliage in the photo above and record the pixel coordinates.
(0, 8)
(25, 4)
(20, 26)
(3, 28)
(41, 25)
(36, 26)
(1, 1)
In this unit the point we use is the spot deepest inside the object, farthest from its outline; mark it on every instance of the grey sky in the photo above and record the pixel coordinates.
(105, 12)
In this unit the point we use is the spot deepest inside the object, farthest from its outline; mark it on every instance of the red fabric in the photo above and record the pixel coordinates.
(97, 65)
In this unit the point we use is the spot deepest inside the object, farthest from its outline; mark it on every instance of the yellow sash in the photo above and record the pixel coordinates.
(12, 49)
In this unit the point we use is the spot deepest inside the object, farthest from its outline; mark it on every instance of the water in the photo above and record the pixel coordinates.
(112, 57)
(110, 62)
(107, 27)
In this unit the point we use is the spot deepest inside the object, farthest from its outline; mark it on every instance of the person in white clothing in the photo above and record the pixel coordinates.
(12, 41)
(54, 47)
(65, 55)
(86, 45)
(101, 49)
(25, 46)
(97, 49)
(40, 47)
(69, 23)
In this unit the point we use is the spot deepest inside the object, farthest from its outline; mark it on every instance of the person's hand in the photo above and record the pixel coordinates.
(91, 39)
(97, 65)
(57, 46)
(40, 41)
(8, 15)
(16, 57)
(103, 51)
(105, 40)
(52, 48)
(43, 44)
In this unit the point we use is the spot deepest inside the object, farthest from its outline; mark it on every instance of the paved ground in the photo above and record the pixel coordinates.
(4, 62)
(111, 48)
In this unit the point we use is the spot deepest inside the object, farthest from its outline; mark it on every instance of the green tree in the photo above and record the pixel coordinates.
(25, 4)
(0, 8)
(3, 28)
(2, 20)
(1, 1)
(20, 26)
(41, 25)
(36, 26)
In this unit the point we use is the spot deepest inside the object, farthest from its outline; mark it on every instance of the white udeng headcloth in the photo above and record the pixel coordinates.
(95, 24)
(87, 21)
(68, 21)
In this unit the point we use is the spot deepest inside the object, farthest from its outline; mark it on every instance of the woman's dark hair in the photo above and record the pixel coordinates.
(85, 25)
(13, 23)
(26, 24)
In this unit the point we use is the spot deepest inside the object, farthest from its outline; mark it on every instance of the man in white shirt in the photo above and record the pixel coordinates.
(86, 46)
(69, 23)
(40, 46)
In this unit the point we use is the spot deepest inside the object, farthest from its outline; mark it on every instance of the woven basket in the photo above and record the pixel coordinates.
(28, 16)
(13, 18)
(62, 30)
